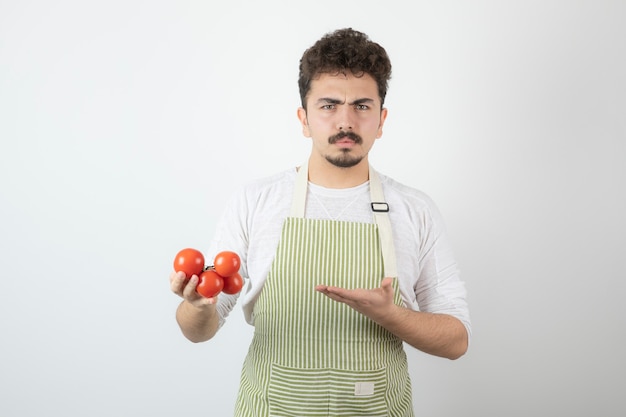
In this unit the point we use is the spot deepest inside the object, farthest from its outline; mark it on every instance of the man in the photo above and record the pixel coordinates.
(342, 264)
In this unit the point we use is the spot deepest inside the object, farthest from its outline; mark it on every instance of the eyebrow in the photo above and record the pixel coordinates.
(328, 100)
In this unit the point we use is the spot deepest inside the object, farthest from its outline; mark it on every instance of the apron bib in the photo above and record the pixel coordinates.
(310, 355)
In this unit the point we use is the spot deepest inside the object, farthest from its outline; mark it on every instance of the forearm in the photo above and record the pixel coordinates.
(198, 324)
(436, 334)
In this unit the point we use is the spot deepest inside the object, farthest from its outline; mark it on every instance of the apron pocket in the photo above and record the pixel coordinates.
(304, 392)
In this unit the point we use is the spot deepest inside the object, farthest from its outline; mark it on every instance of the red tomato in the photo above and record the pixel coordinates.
(190, 261)
(233, 284)
(210, 284)
(226, 263)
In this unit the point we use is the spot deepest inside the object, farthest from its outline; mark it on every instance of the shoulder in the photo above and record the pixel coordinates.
(274, 181)
(410, 205)
(265, 191)
(278, 183)
(399, 192)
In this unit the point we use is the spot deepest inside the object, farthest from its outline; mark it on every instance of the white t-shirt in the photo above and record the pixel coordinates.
(428, 277)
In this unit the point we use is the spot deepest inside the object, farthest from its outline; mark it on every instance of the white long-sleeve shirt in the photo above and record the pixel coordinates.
(428, 276)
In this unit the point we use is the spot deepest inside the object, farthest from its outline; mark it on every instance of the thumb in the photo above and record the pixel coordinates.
(386, 284)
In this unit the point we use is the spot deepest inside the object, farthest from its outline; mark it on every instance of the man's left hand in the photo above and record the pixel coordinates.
(375, 303)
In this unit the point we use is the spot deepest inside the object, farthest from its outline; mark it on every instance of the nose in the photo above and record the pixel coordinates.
(344, 118)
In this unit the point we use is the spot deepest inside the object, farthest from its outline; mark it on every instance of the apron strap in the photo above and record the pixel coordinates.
(381, 217)
(300, 189)
(379, 207)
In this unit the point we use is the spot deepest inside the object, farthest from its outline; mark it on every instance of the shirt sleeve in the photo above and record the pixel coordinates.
(439, 287)
(230, 234)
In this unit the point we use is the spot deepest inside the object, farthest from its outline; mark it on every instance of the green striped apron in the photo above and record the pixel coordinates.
(310, 355)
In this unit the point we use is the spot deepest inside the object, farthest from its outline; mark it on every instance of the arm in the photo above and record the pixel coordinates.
(196, 316)
(436, 334)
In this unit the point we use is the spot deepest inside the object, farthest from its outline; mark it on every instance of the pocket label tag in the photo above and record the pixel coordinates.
(363, 388)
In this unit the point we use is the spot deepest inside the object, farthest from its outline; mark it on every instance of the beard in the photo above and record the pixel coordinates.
(346, 159)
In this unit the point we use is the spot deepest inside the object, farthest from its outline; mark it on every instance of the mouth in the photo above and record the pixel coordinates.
(345, 142)
(345, 139)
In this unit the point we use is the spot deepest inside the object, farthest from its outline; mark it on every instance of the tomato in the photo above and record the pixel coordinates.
(210, 284)
(233, 284)
(226, 263)
(190, 261)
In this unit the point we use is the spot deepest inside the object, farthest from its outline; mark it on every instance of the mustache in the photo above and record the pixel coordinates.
(349, 134)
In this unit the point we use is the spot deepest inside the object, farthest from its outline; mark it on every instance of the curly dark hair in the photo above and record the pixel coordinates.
(345, 50)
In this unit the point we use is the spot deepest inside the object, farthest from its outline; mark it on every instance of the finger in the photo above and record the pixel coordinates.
(177, 281)
(322, 288)
(175, 276)
(386, 283)
(336, 297)
(338, 293)
(189, 292)
(387, 288)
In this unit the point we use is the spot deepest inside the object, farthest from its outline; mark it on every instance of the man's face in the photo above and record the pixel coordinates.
(343, 118)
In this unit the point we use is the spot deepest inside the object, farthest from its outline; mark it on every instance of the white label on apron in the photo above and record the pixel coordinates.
(363, 388)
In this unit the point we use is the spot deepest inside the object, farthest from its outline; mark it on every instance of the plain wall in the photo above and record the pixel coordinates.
(124, 125)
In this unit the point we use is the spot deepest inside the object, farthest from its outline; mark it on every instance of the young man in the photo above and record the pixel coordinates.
(342, 264)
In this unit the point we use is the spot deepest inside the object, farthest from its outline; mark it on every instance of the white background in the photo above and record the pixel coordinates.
(125, 124)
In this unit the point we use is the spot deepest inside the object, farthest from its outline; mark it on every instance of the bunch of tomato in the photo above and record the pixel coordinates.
(222, 276)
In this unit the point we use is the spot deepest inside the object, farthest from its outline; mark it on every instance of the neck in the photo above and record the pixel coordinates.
(325, 174)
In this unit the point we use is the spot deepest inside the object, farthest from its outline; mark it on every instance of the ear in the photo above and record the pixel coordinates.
(304, 122)
(383, 117)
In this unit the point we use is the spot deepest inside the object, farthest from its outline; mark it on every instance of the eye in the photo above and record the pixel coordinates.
(362, 107)
(328, 107)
